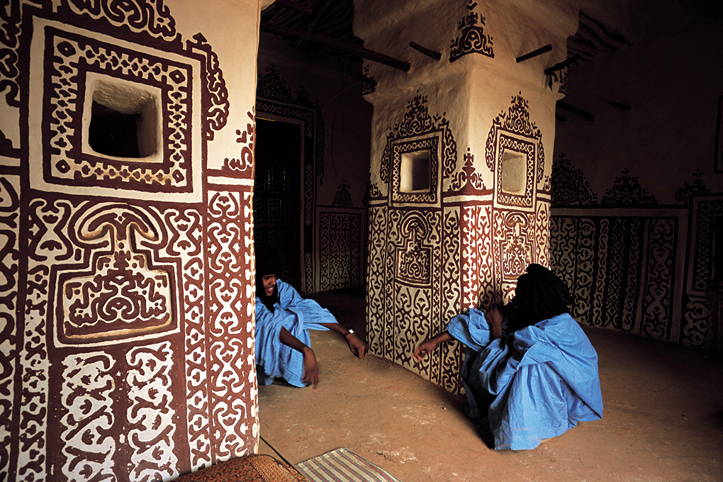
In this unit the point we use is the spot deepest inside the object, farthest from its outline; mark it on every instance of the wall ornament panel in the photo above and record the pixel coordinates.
(419, 130)
(10, 326)
(513, 132)
(126, 329)
(472, 38)
(627, 191)
(414, 280)
(89, 65)
(341, 248)
(569, 185)
(120, 291)
(620, 270)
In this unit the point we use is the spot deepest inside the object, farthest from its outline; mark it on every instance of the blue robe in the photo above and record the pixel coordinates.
(298, 316)
(538, 381)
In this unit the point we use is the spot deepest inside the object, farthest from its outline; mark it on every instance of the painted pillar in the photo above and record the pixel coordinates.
(126, 309)
(460, 185)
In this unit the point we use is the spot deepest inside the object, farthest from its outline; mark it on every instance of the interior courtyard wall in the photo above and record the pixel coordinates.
(462, 241)
(126, 321)
(336, 172)
(637, 192)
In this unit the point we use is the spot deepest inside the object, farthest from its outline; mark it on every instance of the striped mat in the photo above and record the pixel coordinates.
(341, 465)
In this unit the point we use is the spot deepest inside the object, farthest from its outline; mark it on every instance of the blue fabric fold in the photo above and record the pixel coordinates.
(538, 382)
(298, 316)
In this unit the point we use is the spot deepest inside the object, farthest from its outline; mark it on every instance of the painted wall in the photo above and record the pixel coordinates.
(126, 321)
(319, 92)
(485, 124)
(637, 193)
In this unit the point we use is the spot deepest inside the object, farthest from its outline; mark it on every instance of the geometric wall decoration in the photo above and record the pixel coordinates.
(513, 136)
(10, 324)
(514, 153)
(707, 213)
(418, 131)
(121, 291)
(446, 242)
(688, 192)
(627, 191)
(624, 264)
(425, 150)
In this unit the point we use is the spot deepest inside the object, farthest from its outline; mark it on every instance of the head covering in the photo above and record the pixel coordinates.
(540, 295)
(267, 262)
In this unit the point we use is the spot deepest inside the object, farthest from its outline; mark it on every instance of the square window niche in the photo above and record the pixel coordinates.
(122, 119)
(415, 172)
(513, 177)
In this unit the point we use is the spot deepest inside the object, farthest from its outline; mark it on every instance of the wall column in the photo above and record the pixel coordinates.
(460, 185)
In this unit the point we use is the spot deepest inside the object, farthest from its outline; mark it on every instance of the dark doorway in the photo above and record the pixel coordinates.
(277, 194)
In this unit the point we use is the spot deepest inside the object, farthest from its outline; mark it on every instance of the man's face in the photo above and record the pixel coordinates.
(268, 281)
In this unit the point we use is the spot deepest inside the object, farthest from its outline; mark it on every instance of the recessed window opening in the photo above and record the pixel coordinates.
(414, 173)
(123, 121)
(513, 172)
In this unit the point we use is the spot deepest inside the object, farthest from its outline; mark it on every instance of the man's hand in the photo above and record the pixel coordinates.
(311, 369)
(494, 318)
(429, 346)
(357, 347)
(424, 349)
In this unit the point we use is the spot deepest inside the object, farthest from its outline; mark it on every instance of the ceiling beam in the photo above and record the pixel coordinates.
(336, 45)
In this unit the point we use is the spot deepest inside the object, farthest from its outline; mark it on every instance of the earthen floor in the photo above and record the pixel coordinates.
(663, 417)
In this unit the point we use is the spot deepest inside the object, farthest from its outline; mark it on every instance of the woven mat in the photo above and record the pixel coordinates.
(341, 465)
(250, 468)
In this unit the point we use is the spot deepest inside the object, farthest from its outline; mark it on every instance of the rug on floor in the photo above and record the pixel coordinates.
(342, 465)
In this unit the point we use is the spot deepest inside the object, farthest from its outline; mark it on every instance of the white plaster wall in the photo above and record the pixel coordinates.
(231, 27)
(474, 89)
(672, 82)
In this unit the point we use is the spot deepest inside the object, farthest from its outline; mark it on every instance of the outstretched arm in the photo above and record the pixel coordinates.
(357, 347)
(494, 319)
(311, 368)
(428, 346)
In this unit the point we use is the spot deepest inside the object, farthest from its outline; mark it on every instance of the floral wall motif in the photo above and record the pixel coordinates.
(126, 313)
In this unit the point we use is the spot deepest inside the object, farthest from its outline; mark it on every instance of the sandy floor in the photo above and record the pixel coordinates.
(663, 417)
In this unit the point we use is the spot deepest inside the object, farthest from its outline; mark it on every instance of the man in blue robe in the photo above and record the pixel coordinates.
(530, 373)
(283, 321)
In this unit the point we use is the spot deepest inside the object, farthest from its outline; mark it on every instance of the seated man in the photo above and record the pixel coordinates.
(283, 321)
(530, 373)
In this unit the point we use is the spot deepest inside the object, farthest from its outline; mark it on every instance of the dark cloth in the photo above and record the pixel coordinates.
(540, 295)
